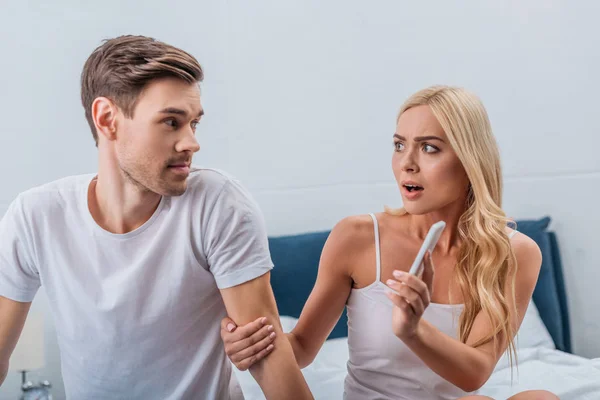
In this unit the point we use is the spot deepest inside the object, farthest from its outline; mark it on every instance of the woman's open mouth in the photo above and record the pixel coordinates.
(412, 191)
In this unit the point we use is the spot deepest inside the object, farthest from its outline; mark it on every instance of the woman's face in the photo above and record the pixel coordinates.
(429, 174)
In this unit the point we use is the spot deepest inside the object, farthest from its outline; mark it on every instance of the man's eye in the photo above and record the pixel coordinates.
(172, 123)
(194, 125)
(398, 146)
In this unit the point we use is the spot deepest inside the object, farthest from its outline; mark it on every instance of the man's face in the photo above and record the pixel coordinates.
(154, 148)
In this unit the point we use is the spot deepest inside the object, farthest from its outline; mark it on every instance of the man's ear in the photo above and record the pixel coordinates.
(104, 114)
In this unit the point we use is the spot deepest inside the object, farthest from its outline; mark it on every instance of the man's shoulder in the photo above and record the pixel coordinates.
(204, 177)
(59, 192)
(213, 183)
(219, 191)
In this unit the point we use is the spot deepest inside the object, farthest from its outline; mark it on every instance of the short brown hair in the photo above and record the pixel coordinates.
(120, 68)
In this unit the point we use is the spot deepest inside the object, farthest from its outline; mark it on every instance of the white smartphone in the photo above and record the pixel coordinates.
(428, 245)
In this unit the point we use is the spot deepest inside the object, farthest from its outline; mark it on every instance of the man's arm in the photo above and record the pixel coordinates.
(278, 375)
(12, 320)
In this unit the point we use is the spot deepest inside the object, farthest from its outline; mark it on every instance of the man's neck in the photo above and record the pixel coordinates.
(117, 204)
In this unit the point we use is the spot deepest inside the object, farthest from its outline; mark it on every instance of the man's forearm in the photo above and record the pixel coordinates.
(279, 375)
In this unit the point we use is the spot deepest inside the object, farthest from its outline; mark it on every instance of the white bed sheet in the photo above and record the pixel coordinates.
(568, 376)
(540, 366)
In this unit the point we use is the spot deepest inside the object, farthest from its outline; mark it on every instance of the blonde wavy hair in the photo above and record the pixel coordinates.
(486, 263)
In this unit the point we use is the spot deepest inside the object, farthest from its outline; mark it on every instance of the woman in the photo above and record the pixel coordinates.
(448, 328)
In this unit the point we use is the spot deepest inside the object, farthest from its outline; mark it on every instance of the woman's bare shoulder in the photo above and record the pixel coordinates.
(352, 232)
(528, 256)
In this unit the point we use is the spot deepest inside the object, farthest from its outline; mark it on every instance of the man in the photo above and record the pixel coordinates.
(142, 260)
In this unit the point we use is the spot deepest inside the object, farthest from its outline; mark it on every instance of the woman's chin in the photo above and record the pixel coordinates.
(416, 209)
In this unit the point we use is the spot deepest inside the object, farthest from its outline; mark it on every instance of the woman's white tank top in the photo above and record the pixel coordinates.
(380, 365)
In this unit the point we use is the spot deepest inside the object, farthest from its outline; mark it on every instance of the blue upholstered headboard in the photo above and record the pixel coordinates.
(296, 260)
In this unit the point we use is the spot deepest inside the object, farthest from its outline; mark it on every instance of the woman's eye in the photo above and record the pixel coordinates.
(398, 146)
(430, 149)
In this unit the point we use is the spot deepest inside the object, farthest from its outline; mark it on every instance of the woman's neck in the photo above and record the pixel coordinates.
(419, 225)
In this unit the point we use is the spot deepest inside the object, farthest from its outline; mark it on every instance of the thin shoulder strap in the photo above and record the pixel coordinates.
(510, 235)
(377, 252)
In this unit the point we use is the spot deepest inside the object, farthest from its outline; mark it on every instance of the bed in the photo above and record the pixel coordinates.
(543, 341)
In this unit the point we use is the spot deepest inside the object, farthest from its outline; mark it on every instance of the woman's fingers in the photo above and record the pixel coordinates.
(253, 353)
(400, 302)
(266, 332)
(248, 362)
(406, 295)
(414, 283)
(231, 334)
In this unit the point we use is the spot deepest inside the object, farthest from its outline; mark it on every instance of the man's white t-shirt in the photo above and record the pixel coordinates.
(138, 314)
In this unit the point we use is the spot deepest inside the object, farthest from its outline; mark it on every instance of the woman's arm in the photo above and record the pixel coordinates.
(324, 306)
(460, 363)
(248, 344)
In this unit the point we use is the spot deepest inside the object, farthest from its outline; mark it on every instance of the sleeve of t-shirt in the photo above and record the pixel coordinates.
(236, 245)
(19, 278)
